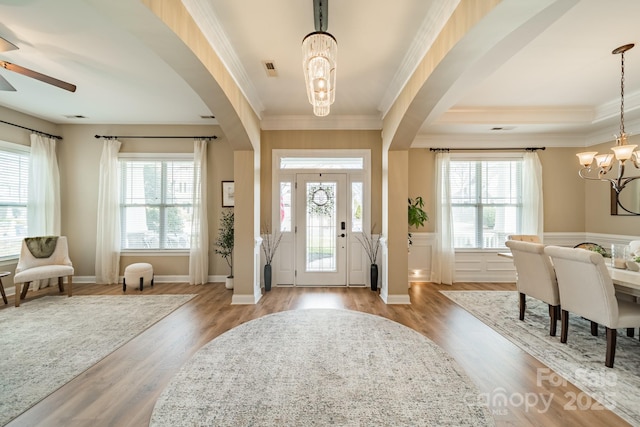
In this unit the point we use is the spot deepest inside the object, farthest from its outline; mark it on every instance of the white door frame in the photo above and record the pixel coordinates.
(284, 261)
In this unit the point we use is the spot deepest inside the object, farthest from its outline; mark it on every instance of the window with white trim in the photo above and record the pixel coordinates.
(14, 176)
(156, 203)
(486, 201)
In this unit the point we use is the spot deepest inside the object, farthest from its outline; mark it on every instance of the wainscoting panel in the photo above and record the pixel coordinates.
(487, 266)
(483, 266)
(420, 253)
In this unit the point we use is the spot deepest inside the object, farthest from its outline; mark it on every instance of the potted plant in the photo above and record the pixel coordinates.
(270, 243)
(224, 243)
(371, 244)
(417, 215)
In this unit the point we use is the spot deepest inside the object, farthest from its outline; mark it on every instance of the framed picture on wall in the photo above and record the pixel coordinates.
(227, 194)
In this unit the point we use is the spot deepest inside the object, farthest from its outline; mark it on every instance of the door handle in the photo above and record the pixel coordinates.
(341, 235)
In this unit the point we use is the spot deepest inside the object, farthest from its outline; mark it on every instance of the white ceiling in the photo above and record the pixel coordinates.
(542, 70)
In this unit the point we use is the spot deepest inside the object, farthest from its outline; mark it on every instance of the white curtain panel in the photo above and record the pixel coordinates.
(532, 208)
(443, 255)
(108, 220)
(199, 253)
(43, 204)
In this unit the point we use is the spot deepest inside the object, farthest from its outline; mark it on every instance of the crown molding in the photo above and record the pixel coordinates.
(321, 123)
(435, 20)
(517, 115)
(205, 17)
(611, 109)
(607, 134)
(512, 140)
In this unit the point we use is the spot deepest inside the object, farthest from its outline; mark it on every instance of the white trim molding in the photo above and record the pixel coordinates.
(485, 265)
(420, 254)
(244, 299)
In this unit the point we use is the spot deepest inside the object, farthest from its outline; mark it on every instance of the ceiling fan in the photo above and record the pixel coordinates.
(6, 46)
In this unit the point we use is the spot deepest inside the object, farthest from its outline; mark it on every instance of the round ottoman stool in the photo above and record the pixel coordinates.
(136, 275)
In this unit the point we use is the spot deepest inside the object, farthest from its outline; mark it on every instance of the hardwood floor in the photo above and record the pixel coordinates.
(121, 390)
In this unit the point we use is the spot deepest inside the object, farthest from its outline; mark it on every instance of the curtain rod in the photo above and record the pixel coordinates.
(156, 137)
(487, 149)
(32, 130)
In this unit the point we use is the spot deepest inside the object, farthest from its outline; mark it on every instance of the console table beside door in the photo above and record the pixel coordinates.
(625, 281)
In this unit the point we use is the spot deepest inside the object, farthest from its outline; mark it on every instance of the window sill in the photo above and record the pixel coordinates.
(477, 250)
(8, 261)
(152, 253)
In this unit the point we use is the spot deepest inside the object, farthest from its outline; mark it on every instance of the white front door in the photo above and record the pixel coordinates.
(321, 229)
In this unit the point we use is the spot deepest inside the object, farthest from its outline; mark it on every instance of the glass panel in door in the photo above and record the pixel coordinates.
(321, 231)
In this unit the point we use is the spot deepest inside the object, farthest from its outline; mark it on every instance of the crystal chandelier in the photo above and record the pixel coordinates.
(622, 151)
(320, 52)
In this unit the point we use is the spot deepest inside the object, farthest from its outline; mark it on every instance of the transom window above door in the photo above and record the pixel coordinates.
(321, 163)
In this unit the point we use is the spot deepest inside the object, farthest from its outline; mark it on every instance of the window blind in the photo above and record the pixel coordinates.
(156, 204)
(14, 176)
(486, 199)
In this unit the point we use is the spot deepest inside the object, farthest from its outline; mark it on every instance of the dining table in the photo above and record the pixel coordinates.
(625, 281)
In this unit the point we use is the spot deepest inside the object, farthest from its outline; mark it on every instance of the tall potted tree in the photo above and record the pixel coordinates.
(224, 243)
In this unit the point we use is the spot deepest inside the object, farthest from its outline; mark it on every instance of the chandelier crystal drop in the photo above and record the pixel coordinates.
(319, 59)
(622, 151)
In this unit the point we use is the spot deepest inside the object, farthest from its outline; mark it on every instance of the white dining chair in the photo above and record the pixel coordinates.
(586, 289)
(535, 278)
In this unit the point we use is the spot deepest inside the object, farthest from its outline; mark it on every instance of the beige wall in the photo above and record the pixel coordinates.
(597, 208)
(422, 178)
(322, 139)
(564, 190)
(79, 159)
(571, 204)
(17, 135)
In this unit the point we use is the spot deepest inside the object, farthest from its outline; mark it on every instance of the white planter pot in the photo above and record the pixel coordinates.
(228, 283)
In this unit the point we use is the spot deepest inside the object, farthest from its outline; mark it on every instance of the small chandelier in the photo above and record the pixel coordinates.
(622, 151)
(320, 52)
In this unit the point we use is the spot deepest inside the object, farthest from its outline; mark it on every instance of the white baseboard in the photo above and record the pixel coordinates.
(395, 299)
(156, 279)
(245, 299)
(89, 280)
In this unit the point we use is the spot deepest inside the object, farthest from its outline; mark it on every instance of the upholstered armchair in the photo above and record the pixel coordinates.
(43, 258)
(586, 289)
(535, 278)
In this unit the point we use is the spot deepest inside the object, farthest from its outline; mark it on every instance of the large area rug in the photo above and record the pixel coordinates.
(580, 361)
(49, 341)
(320, 367)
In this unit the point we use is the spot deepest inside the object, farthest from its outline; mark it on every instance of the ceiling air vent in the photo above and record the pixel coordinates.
(270, 68)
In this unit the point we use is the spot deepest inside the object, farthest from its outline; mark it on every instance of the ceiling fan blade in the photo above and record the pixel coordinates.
(38, 76)
(5, 85)
(6, 45)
